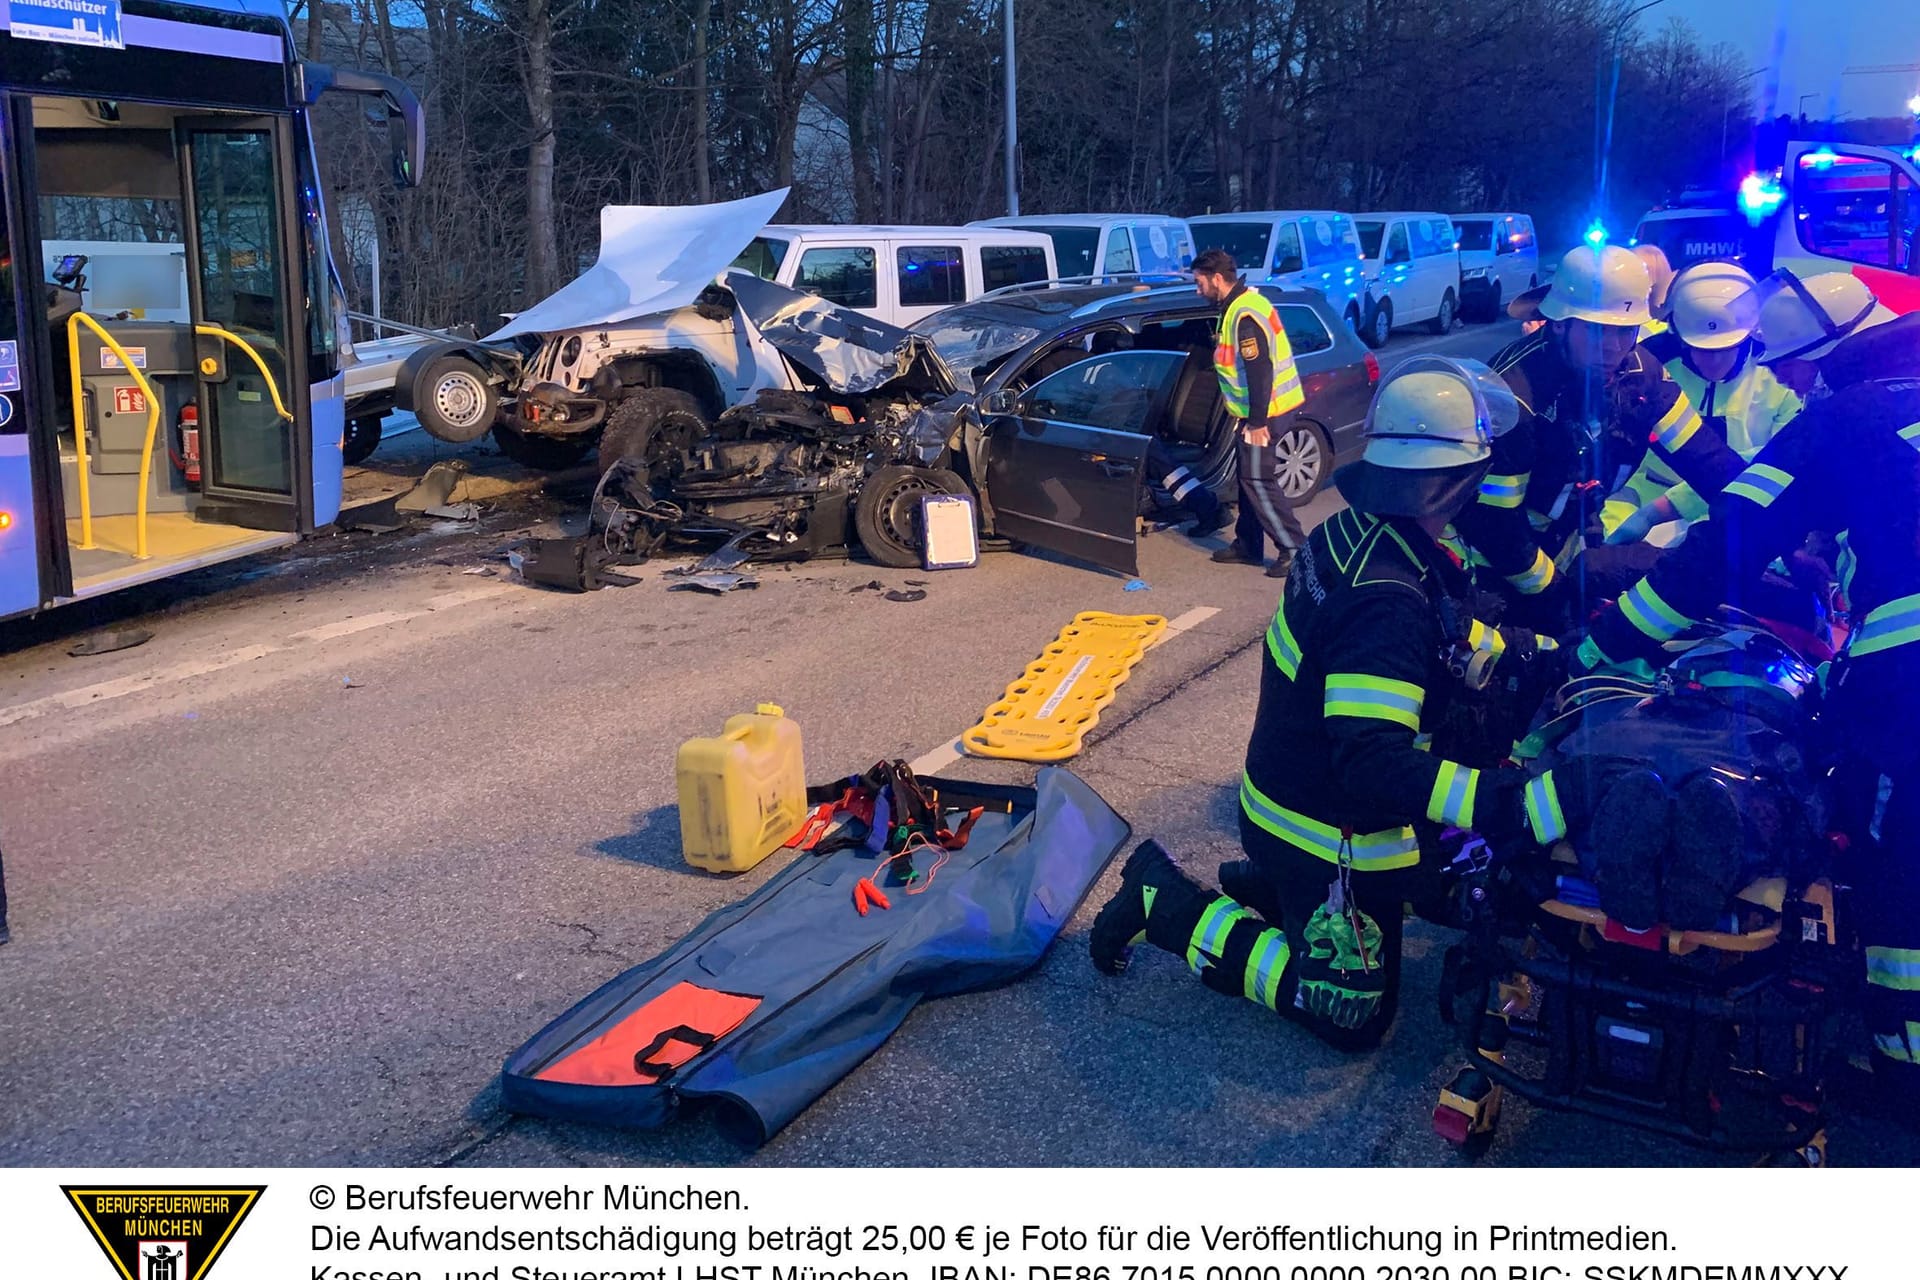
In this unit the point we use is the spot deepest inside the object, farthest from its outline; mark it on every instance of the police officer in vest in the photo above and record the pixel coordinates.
(1358, 664)
(1260, 386)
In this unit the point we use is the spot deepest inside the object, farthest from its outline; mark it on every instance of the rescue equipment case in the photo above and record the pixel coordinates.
(769, 1002)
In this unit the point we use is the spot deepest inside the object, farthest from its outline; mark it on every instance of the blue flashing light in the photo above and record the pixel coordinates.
(1596, 236)
(1761, 195)
(1824, 158)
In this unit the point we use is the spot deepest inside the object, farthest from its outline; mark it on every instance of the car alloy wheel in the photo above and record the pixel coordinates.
(1300, 460)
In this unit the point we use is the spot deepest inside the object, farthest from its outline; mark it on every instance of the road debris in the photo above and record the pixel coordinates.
(110, 641)
(715, 583)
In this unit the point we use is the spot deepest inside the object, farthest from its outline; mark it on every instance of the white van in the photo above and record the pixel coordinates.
(1092, 244)
(1297, 248)
(1413, 269)
(897, 274)
(1499, 259)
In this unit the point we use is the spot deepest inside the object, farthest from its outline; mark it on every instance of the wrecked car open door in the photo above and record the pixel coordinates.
(1064, 464)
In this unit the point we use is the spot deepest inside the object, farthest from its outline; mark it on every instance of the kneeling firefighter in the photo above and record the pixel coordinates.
(1362, 651)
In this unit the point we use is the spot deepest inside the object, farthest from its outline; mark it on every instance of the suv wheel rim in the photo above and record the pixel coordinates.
(1298, 454)
(1382, 327)
(459, 399)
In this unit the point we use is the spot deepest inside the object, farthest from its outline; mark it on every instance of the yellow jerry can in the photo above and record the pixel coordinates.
(742, 794)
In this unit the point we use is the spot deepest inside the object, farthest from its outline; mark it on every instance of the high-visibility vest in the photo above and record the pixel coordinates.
(1231, 365)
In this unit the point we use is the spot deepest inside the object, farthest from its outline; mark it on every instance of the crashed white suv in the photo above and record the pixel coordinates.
(646, 344)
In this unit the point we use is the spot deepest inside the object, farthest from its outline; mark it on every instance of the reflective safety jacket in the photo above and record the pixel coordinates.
(1354, 667)
(1570, 452)
(1745, 409)
(1254, 360)
(1850, 462)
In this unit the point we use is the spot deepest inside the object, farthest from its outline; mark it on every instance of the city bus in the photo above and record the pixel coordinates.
(171, 325)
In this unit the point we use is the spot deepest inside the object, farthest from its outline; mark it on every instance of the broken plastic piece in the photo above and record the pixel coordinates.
(906, 597)
(435, 488)
(110, 641)
(716, 583)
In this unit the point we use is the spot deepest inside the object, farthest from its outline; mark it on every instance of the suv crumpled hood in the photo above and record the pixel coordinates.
(653, 258)
(852, 353)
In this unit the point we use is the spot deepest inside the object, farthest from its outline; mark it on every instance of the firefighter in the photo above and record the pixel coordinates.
(1260, 385)
(1850, 461)
(1713, 354)
(1358, 660)
(1592, 402)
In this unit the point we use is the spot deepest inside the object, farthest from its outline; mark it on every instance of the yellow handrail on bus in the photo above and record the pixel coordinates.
(273, 388)
(74, 322)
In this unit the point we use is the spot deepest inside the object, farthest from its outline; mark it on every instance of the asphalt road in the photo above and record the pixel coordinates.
(291, 880)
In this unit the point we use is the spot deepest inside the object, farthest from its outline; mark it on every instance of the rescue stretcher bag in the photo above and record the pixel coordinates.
(1739, 705)
(770, 1002)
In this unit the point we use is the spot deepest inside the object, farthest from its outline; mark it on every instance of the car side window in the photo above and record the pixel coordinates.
(1397, 250)
(931, 276)
(1305, 333)
(1119, 251)
(846, 276)
(1002, 265)
(1857, 210)
(1119, 391)
(1287, 255)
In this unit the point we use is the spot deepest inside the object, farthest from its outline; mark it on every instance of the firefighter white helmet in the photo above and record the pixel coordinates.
(1709, 305)
(1430, 433)
(1606, 285)
(1806, 319)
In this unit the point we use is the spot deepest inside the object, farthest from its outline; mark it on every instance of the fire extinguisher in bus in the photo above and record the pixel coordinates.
(186, 457)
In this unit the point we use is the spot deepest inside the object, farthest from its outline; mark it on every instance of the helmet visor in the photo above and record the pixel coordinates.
(1496, 411)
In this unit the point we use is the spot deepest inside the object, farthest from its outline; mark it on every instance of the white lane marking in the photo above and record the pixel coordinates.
(107, 690)
(950, 751)
(387, 617)
(87, 695)
(347, 626)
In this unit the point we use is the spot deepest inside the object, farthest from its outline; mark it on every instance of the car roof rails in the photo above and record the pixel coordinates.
(1165, 279)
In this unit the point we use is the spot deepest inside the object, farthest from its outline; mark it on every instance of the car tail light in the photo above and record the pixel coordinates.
(1373, 370)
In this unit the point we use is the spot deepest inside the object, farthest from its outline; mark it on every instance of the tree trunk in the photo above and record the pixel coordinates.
(859, 59)
(702, 174)
(316, 29)
(543, 243)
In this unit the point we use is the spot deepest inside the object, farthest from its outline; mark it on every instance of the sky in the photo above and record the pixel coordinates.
(1807, 45)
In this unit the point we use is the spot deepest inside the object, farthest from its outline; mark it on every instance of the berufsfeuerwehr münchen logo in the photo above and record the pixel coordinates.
(163, 1233)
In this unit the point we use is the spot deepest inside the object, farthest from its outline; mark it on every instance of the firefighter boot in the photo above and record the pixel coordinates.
(1629, 838)
(1157, 903)
(1242, 881)
(1708, 841)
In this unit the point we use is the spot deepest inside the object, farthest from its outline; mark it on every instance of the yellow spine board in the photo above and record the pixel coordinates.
(1044, 715)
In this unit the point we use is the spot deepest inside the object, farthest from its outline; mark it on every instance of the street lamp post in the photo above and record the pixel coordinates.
(1013, 127)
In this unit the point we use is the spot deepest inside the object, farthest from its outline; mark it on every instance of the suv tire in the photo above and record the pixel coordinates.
(454, 399)
(1449, 310)
(655, 426)
(887, 515)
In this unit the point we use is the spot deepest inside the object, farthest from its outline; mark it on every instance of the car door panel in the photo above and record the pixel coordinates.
(1064, 472)
(1068, 488)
